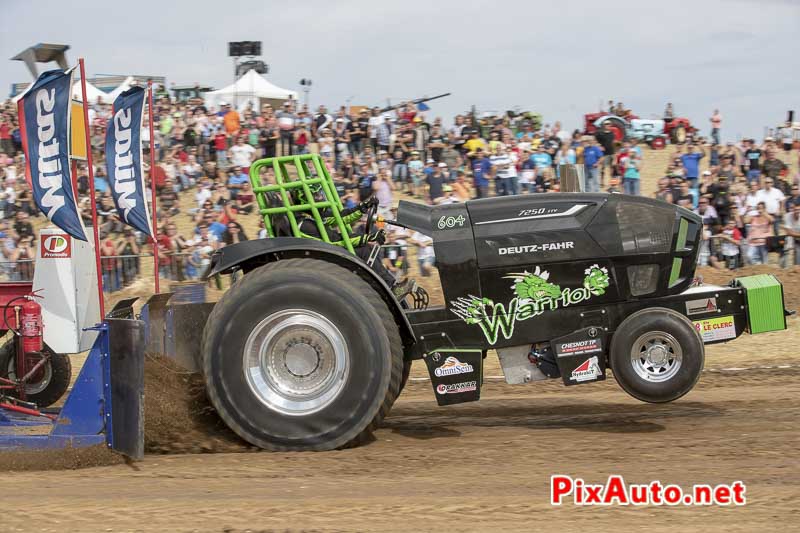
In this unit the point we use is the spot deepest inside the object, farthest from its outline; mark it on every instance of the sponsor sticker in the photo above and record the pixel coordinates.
(56, 246)
(579, 347)
(698, 307)
(716, 329)
(534, 294)
(586, 371)
(455, 388)
(453, 366)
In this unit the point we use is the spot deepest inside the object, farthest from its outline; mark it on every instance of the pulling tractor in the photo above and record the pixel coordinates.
(654, 132)
(310, 348)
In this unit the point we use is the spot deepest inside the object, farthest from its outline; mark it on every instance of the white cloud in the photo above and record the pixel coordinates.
(559, 58)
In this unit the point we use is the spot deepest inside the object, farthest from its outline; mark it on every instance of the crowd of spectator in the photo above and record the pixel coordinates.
(747, 197)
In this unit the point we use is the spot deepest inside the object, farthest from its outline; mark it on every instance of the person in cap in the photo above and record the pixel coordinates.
(375, 120)
(474, 142)
(415, 171)
(359, 129)
(287, 122)
(322, 120)
(422, 135)
(481, 172)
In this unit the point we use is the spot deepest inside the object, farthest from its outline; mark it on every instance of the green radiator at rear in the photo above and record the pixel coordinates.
(764, 296)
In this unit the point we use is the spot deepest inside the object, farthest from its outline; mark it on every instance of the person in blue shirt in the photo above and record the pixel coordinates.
(542, 159)
(630, 179)
(592, 155)
(217, 228)
(634, 145)
(100, 184)
(236, 179)
(713, 155)
(691, 162)
(481, 171)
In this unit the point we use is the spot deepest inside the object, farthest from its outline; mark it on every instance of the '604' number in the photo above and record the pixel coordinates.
(450, 222)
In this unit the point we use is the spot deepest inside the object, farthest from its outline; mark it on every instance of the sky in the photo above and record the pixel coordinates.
(561, 58)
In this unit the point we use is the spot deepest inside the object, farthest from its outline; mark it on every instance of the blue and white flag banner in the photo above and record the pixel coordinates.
(44, 116)
(124, 160)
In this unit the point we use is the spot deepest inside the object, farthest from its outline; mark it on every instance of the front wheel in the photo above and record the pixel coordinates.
(49, 383)
(302, 354)
(657, 355)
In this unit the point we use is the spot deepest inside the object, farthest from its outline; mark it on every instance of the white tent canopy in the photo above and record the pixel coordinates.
(92, 93)
(248, 89)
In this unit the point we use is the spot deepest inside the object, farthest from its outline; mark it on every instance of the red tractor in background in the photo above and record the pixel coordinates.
(655, 132)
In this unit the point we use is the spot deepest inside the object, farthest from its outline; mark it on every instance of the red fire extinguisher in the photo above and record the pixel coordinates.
(30, 326)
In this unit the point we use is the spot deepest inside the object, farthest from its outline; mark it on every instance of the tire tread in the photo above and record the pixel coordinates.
(356, 284)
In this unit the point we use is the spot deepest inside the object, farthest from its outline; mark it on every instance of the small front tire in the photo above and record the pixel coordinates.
(657, 355)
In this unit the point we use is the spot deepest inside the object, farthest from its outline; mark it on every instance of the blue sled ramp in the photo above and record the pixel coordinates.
(105, 406)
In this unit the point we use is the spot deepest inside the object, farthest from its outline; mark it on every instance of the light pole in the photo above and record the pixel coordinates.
(305, 83)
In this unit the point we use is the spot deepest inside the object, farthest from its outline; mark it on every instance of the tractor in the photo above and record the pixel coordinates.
(654, 132)
(310, 347)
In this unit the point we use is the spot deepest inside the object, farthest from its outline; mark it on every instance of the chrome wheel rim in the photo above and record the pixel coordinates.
(656, 356)
(296, 362)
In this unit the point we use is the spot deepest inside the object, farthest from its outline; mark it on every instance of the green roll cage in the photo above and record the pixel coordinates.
(301, 172)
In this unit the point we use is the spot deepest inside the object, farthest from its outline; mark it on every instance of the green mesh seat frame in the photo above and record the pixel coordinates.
(302, 172)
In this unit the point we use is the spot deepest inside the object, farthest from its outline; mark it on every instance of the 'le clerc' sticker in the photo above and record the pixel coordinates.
(716, 329)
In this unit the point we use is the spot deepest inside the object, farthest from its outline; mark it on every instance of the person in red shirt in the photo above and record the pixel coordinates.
(159, 177)
(221, 148)
(301, 139)
(407, 113)
(6, 144)
(181, 154)
(730, 239)
(109, 263)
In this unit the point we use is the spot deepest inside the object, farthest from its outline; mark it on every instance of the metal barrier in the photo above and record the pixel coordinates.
(21, 270)
(120, 271)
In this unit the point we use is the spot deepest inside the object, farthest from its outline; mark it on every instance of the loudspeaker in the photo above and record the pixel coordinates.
(234, 49)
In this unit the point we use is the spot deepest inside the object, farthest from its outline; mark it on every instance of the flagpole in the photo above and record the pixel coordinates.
(153, 181)
(75, 182)
(93, 201)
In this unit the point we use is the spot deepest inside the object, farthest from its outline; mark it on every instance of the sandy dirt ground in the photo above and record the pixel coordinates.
(470, 467)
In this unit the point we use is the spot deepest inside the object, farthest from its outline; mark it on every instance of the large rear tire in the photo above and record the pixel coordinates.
(302, 354)
(657, 355)
(406, 375)
(679, 135)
